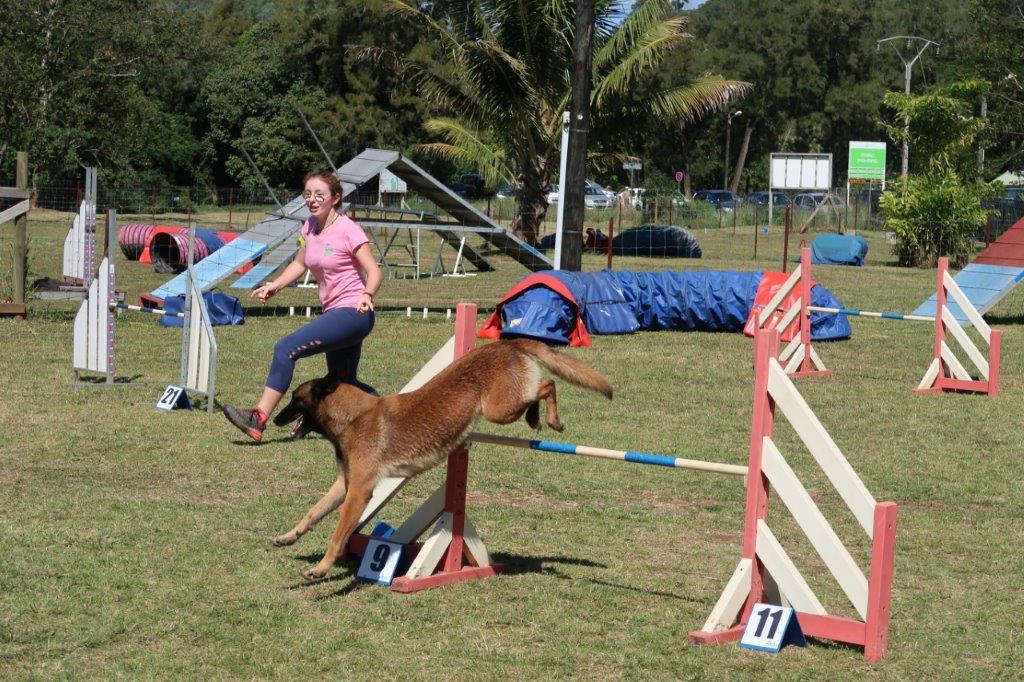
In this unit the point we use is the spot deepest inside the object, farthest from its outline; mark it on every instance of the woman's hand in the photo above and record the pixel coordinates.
(264, 292)
(365, 304)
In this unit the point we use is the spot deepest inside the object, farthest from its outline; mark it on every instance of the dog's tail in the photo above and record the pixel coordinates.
(568, 368)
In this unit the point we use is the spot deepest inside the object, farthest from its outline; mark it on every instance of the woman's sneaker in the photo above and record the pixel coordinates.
(250, 422)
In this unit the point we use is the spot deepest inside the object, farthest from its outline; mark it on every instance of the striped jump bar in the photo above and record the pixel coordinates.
(866, 313)
(603, 453)
(141, 309)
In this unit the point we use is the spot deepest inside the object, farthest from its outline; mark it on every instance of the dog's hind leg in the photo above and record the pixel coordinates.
(322, 508)
(533, 415)
(547, 394)
(351, 509)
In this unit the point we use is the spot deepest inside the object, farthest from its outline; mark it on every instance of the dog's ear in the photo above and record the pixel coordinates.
(324, 387)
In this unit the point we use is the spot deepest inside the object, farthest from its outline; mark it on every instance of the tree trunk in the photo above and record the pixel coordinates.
(687, 150)
(748, 130)
(579, 123)
(533, 199)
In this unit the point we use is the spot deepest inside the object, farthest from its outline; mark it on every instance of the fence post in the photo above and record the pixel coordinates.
(787, 226)
(21, 237)
(611, 226)
(756, 230)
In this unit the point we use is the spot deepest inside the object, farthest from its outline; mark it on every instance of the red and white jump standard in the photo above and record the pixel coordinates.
(765, 572)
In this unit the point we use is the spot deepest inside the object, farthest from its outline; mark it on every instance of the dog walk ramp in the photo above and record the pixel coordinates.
(990, 277)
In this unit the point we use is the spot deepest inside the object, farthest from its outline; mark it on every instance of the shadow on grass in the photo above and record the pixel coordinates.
(102, 381)
(516, 564)
(1004, 319)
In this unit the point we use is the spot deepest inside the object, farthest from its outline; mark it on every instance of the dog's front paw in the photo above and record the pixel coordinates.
(557, 425)
(315, 573)
(289, 538)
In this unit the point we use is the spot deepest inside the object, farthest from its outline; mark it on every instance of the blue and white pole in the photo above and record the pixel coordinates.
(603, 453)
(140, 309)
(851, 312)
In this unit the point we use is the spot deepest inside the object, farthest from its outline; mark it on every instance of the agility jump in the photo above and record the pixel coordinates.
(453, 550)
(945, 373)
(629, 456)
(95, 328)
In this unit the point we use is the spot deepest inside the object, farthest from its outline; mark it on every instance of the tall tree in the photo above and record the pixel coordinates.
(499, 75)
(90, 83)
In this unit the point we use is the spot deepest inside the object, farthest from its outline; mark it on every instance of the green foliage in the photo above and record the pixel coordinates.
(934, 214)
(938, 126)
(92, 83)
(499, 79)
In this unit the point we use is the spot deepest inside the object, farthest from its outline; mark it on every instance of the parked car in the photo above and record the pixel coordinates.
(779, 199)
(594, 195)
(471, 185)
(811, 200)
(507, 192)
(591, 185)
(722, 199)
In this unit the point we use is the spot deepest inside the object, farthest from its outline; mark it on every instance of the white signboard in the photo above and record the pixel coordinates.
(801, 171)
(391, 184)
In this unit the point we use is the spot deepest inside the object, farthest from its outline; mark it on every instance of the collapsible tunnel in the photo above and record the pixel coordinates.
(622, 302)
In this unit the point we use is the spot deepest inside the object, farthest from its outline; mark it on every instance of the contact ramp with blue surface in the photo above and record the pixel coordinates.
(990, 277)
(276, 229)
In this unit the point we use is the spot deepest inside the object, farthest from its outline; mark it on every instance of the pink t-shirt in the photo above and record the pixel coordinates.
(331, 257)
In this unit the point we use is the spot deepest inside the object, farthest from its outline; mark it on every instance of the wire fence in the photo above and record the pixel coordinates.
(240, 208)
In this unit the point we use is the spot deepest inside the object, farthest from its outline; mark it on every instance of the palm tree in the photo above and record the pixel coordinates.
(500, 76)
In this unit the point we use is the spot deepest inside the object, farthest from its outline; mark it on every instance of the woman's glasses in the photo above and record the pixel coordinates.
(319, 196)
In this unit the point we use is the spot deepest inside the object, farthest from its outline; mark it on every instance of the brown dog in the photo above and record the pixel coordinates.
(407, 433)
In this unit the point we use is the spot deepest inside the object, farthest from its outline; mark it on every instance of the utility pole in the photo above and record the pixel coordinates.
(910, 42)
(579, 125)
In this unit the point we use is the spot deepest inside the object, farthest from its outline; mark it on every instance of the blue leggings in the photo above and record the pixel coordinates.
(338, 333)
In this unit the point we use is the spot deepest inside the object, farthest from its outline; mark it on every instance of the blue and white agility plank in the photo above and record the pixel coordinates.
(267, 266)
(985, 285)
(603, 453)
(214, 267)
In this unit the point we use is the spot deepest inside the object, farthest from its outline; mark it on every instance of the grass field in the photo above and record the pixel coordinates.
(136, 543)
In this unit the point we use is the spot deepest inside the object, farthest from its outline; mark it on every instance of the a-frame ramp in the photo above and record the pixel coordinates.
(989, 277)
(368, 165)
(275, 238)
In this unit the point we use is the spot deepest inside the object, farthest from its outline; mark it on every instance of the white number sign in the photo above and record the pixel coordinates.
(380, 560)
(771, 627)
(174, 397)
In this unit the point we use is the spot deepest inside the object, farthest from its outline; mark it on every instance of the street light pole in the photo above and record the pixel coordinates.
(908, 65)
(728, 135)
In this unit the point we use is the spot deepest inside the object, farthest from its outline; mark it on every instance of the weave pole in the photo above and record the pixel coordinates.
(629, 456)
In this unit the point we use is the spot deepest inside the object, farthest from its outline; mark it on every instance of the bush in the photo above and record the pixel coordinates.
(934, 214)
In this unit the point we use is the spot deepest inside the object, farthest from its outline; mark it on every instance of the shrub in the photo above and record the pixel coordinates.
(934, 214)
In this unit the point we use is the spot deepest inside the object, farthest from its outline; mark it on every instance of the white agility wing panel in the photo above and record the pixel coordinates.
(785, 573)
(821, 446)
(816, 527)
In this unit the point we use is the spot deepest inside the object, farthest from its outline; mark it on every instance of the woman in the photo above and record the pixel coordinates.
(335, 249)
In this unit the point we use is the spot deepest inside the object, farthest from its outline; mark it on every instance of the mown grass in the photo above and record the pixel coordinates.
(135, 542)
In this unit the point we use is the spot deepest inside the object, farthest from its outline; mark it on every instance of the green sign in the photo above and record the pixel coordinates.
(867, 161)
